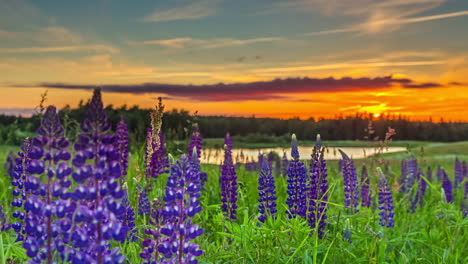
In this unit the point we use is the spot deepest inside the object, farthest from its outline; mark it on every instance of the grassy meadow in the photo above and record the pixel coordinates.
(436, 233)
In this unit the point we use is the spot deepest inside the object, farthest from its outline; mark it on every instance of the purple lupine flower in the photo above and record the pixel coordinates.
(271, 159)
(261, 157)
(317, 189)
(10, 164)
(419, 196)
(365, 186)
(350, 183)
(122, 141)
(297, 177)
(340, 165)
(182, 204)
(150, 252)
(267, 193)
(447, 187)
(228, 183)
(284, 165)
(458, 178)
(128, 218)
(4, 226)
(20, 176)
(46, 204)
(98, 192)
(143, 202)
(410, 175)
(196, 141)
(385, 201)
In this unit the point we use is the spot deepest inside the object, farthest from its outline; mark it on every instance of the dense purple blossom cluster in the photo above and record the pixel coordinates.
(365, 188)
(317, 190)
(122, 142)
(350, 183)
(297, 178)
(267, 193)
(228, 182)
(385, 202)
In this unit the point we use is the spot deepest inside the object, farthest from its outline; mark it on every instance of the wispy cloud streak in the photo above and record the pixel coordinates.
(198, 9)
(212, 43)
(265, 90)
(50, 49)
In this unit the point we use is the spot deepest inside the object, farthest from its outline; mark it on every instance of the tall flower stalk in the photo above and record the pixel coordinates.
(297, 178)
(157, 161)
(150, 252)
(365, 188)
(419, 196)
(350, 183)
(228, 182)
(98, 192)
(317, 189)
(20, 176)
(267, 193)
(46, 206)
(196, 141)
(182, 204)
(122, 141)
(385, 202)
(447, 187)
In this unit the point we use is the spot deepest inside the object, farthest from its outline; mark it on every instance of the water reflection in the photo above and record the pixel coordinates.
(215, 156)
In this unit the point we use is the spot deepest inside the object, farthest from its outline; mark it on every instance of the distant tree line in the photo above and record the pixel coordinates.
(177, 125)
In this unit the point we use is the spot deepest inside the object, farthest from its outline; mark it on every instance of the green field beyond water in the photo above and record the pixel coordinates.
(436, 233)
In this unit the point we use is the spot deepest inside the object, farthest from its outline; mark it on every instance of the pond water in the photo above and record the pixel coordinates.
(216, 156)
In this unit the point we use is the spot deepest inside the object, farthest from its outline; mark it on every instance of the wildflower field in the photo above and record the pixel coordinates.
(100, 199)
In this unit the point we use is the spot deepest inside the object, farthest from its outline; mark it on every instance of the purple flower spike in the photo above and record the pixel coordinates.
(458, 178)
(150, 252)
(228, 182)
(365, 186)
(447, 186)
(267, 193)
(128, 218)
(96, 118)
(122, 141)
(419, 196)
(196, 141)
(20, 176)
(182, 204)
(317, 189)
(143, 203)
(4, 226)
(385, 201)
(409, 176)
(98, 193)
(350, 183)
(297, 177)
(10, 164)
(47, 204)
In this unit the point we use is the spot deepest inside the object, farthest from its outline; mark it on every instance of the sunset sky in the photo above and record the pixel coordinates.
(297, 58)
